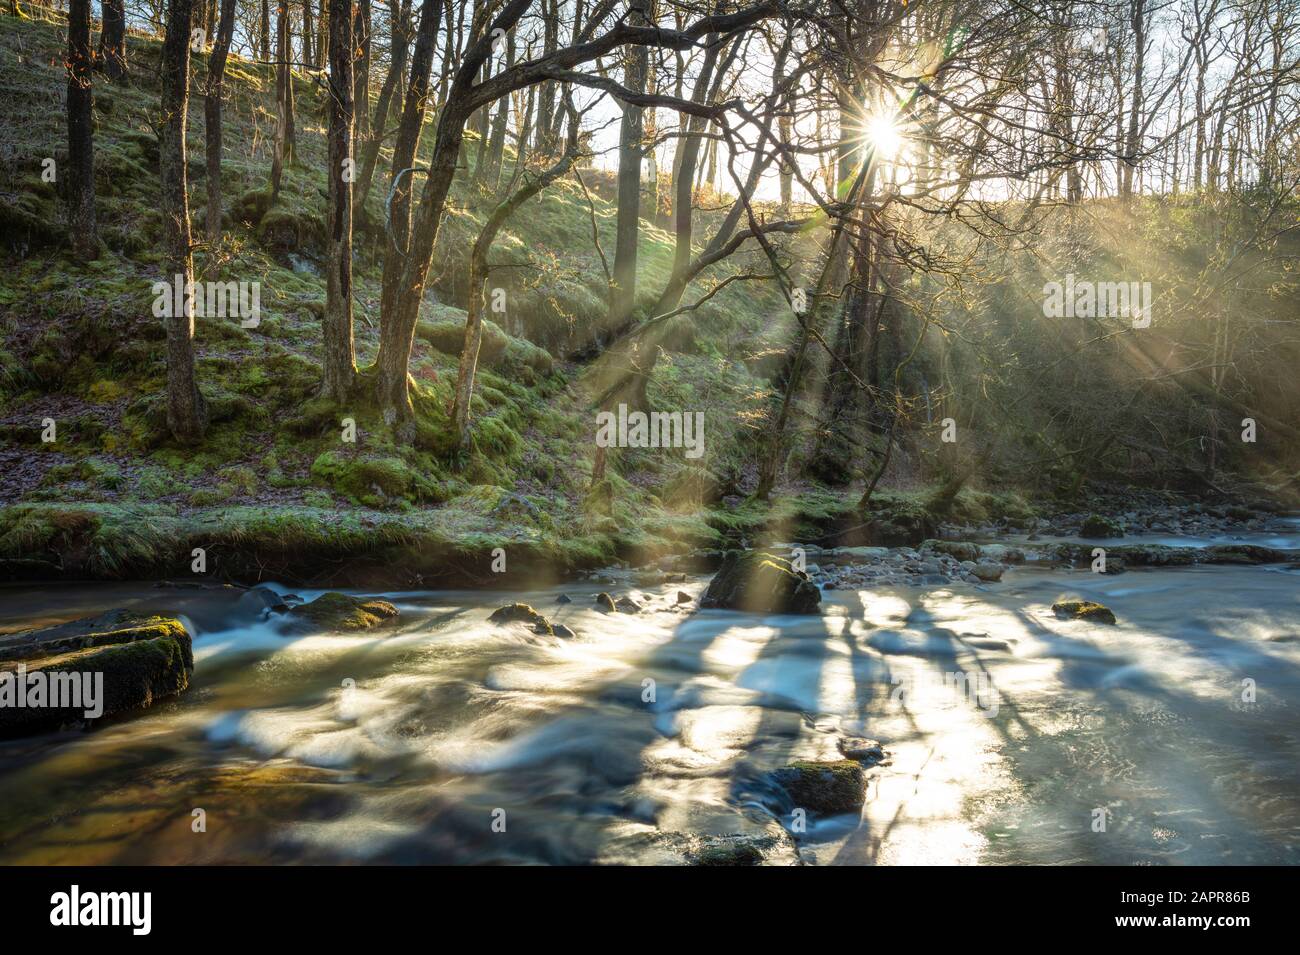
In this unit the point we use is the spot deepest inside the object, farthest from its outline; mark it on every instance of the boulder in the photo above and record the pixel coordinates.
(103, 665)
(961, 550)
(1095, 525)
(827, 788)
(340, 612)
(605, 602)
(761, 583)
(683, 597)
(515, 613)
(1083, 610)
(627, 605)
(988, 571)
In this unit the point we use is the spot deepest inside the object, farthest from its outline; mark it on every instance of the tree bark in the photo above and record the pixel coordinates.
(361, 77)
(408, 139)
(340, 366)
(112, 39)
(622, 296)
(212, 116)
(283, 85)
(401, 44)
(187, 416)
(81, 134)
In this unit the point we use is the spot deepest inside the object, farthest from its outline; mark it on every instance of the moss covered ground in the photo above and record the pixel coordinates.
(274, 490)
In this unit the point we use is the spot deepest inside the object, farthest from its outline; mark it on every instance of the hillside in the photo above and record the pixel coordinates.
(274, 492)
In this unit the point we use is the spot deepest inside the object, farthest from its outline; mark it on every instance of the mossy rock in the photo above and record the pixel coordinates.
(130, 660)
(761, 583)
(340, 612)
(827, 788)
(1083, 610)
(960, 550)
(1097, 526)
(521, 613)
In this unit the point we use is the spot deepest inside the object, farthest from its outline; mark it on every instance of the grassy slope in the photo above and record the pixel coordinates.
(273, 491)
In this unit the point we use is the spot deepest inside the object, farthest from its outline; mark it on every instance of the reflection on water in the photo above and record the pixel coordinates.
(1007, 730)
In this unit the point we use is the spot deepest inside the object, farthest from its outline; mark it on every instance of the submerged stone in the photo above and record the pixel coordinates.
(1083, 610)
(761, 583)
(335, 611)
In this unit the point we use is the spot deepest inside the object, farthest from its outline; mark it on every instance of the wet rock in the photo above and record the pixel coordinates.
(564, 599)
(1095, 525)
(515, 613)
(341, 612)
(1002, 554)
(560, 630)
(542, 625)
(123, 659)
(827, 788)
(761, 583)
(605, 602)
(1083, 610)
(627, 605)
(961, 550)
(683, 597)
(988, 572)
(861, 749)
(1244, 554)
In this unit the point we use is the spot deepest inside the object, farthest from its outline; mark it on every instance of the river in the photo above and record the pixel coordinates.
(1012, 736)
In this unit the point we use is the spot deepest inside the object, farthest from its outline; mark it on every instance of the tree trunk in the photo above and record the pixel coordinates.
(478, 269)
(340, 366)
(112, 39)
(491, 177)
(212, 116)
(361, 79)
(81, 134)
(282, 101)
(264, 33)
(306, 34)
(187, 415)
(401, 45)
(622, 296)
(408, 139)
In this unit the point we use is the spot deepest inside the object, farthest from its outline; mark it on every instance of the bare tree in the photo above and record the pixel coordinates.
(212, 116)
(340, 366)
(81, 142)
(187, 415)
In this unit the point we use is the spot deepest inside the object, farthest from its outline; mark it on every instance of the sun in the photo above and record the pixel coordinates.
(884, 137)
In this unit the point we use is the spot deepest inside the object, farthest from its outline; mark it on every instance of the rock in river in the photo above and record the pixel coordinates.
(1083, 610)
(123, 659)
(761, 583)
(827, 788)
(335, 611)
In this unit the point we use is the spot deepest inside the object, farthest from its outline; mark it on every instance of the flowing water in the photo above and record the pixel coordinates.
(1009, 733)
